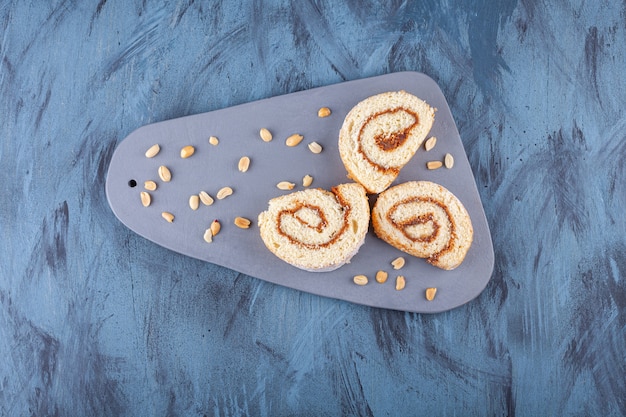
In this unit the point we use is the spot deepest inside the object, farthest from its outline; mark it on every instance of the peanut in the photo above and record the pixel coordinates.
(265, 134)
(150, 185)
(242, 222)
(145, 199)
(285, 185)
(244, 164)
(165, 174)
(430, 143)
(224, 192)
(434, 164)
(208, 236)
(400, 282)
(360, 279)
(323, 112)
(153, 151)
(206, 199)
(187, 151)
(381, 277)
(215, 227)
(315, 147)
(430, 293)
(194, 202)
(398, 262)
(448, 161)
(294, 140)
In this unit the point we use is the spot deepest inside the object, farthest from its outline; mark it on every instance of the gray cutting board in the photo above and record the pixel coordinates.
(213, 167)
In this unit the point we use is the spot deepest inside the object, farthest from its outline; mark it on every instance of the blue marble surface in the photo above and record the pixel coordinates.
(95, 320)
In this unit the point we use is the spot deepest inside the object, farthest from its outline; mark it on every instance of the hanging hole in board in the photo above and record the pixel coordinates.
(132, 183)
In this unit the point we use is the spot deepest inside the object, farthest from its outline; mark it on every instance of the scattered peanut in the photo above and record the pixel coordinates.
(244, 164)
(398, 262)
(448, 161)
(187, 151)
(360, 280)
(206, 199)
(215, 227)
(307, 180)
(400, 282)
(214, 141)
(434, 164)
(224, 192)
(315, 147)
(381, 276)
(294, 140)
(285, 185)
(208, 236)
(430, 143)
(165, 174)
(242, 222)
(150, 185)
(430, 293)
(145, 199)
(265, 134)
(153, 151)
(323, 112)
(168, 216)
(194, 202)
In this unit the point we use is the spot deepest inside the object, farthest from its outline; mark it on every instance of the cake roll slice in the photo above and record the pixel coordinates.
(316, 230)
(380, 135)
(425, 220)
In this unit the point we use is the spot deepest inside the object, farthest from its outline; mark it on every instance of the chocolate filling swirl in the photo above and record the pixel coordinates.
(319, 226)
(424, 219)
(387, 141)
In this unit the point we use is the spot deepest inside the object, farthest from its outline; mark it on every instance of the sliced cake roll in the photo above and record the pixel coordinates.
(380, 135)
(316, 230)
(425, 220)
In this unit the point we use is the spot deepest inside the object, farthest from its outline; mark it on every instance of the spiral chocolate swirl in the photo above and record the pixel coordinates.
(316, 229)
(308, 226)
(425, 220)
(380, 135)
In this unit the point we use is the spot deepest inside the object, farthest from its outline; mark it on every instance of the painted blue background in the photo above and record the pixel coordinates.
(95, 320)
